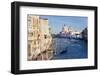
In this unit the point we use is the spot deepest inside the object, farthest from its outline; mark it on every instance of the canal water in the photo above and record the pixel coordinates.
(69, 48)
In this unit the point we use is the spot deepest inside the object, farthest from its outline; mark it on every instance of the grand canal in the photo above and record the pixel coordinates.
(69, 48)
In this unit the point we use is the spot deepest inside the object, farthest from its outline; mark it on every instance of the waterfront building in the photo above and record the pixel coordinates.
(84, 34)
(46, 39)
(68, 32)
(76, 34)
(39, 39)
(33, 31)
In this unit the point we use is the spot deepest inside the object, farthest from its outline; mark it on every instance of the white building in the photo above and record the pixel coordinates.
(69, 32)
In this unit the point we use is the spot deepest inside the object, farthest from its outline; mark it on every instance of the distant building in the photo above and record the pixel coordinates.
(69, 33)
(39, 39)
(84, 34)
(66, 31)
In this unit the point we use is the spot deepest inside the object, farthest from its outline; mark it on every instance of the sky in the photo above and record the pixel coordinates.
(77, 23)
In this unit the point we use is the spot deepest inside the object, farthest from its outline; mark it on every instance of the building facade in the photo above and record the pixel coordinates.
(39, 39)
